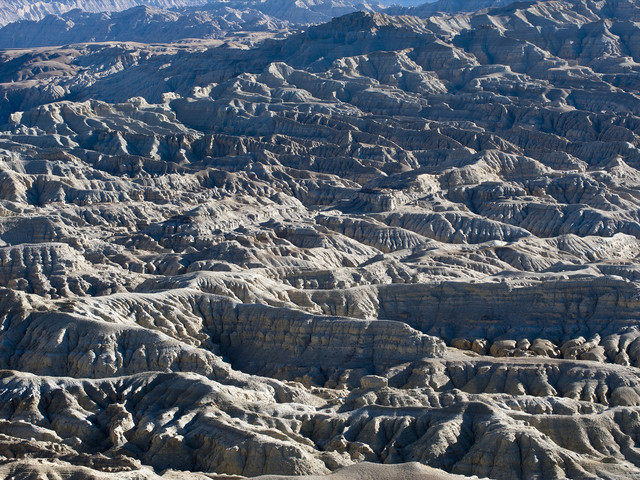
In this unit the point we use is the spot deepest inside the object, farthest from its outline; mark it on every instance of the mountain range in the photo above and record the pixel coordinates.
(156, 22)
(16, 10)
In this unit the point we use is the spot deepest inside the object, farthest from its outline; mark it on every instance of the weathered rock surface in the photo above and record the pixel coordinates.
(406, 241)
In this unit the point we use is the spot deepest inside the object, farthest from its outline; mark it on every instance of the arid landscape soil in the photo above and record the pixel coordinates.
(385, 245)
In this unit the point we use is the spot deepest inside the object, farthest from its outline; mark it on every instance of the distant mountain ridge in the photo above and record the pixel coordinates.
(138, 24)
(148, 24)
(16, 10)
(448, 6)
(162, 21)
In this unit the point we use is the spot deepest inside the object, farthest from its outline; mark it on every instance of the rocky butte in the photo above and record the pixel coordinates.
(379, 246)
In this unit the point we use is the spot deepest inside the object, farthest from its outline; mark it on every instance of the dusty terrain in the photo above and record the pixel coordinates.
(411, 242)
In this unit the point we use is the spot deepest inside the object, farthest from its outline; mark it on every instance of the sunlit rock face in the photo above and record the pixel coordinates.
(382, 247)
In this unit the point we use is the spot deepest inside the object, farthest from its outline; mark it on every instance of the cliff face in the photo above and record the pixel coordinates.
(409, 242)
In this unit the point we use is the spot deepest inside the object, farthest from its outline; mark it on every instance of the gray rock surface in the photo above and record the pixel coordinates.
(382, 247)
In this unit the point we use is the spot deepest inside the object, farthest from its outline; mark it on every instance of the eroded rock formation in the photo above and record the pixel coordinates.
(405, 241)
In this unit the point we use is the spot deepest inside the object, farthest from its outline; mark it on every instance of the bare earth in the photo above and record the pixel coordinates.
(410, 242)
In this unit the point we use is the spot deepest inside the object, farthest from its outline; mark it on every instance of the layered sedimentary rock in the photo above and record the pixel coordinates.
(382, 246)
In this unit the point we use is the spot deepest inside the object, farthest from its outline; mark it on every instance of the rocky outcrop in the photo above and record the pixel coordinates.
(405, 241)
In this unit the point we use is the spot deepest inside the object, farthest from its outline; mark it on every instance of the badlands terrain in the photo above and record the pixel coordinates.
(383, 246)
(298, 11)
